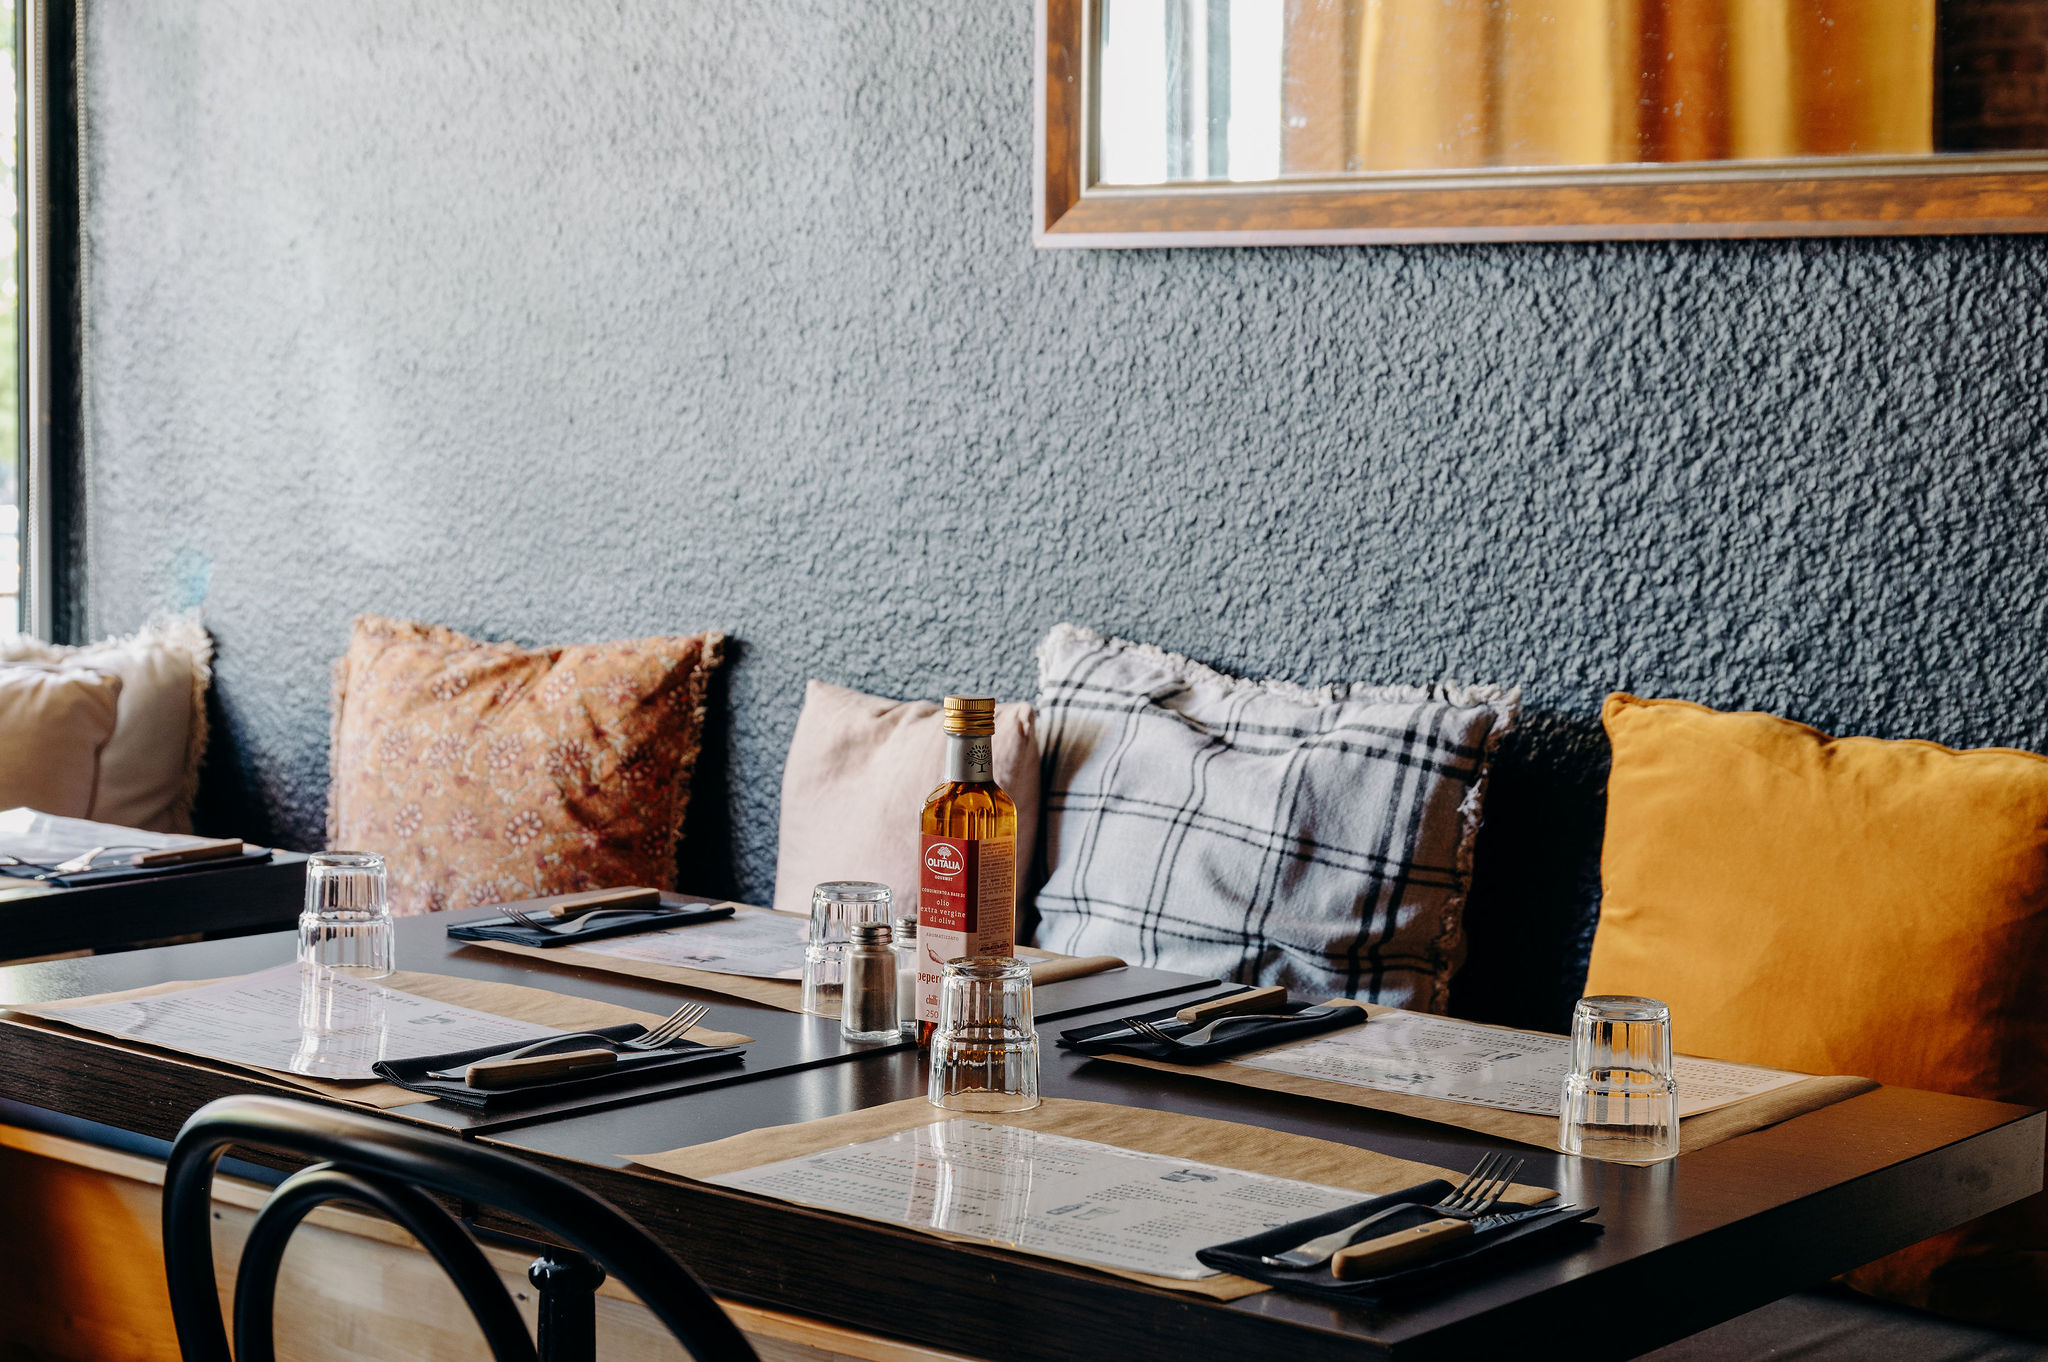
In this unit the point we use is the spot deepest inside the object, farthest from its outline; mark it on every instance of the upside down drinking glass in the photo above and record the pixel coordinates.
(346, 923)
(835, 909)
(985, 1052)
(1620, 1098)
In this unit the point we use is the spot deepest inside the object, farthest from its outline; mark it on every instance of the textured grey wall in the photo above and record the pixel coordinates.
(560, 322)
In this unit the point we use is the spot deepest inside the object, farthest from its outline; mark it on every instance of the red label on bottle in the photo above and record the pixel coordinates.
(967, 905)
(945, 881)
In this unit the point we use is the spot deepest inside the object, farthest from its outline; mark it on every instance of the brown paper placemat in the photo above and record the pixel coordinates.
(1694, 1132)
(504, 1000)
(786, 994)
(1251, 1149)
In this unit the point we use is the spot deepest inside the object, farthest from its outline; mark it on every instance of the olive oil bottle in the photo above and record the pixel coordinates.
(967, 873)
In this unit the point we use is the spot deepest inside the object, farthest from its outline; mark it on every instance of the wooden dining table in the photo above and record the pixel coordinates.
(1682, 1245)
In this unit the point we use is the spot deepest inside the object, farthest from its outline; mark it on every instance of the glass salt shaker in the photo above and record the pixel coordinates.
(904, 947)
(868, 1002)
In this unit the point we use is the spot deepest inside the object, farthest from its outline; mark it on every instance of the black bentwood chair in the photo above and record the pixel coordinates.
(390, 1168)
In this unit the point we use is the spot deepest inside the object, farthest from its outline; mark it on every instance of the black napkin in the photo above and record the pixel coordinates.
(116, 871)
(1487, 1248)
(624, 924)
(1232, 1040)
(688, 1058)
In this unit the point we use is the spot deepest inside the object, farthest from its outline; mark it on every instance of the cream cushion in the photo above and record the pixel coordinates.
(150, 770)
(858, 772)
(54, 724)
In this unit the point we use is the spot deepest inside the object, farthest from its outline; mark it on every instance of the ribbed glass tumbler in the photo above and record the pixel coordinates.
(1620, 1098)
(346, 924)
(836, 908)
(985, 1050)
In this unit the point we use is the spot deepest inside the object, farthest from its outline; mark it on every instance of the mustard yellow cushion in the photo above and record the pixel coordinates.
(1843, 906)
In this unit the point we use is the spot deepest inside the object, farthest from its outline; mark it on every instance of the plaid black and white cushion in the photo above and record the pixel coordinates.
(1255, 830)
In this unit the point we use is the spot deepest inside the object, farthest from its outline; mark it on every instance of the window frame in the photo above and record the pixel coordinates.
(49, 331)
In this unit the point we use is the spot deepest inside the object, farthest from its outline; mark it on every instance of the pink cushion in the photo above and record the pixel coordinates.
(858, 772)
(54, 723)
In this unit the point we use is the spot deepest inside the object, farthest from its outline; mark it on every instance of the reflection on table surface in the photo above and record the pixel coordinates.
(1044, 1193)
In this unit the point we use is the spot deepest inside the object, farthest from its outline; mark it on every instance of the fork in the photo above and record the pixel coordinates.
(1481, 1190)
(545, 928)
(1202, 1035)
(659, 1036)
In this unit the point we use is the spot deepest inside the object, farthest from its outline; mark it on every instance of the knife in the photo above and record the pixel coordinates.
(517, 1073)
(207, 849)
(1198, 1014)
(564, 906)
(1406, 1248)
(513, 1073)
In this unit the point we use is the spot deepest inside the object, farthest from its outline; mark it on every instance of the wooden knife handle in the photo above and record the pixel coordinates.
(1399, 1249)
(512, 1073)
(1251, 1000)
(1064, 967)
(574, 905)
(212, 849)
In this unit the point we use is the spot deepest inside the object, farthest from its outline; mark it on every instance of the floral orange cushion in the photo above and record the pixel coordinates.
(486, 771)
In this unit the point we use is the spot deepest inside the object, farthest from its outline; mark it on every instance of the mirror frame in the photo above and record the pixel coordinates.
(1862, 196)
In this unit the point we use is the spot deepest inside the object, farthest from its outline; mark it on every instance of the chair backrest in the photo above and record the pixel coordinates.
(390, 1168)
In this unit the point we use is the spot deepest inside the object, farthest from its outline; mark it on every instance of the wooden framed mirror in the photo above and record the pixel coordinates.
(1277, 122)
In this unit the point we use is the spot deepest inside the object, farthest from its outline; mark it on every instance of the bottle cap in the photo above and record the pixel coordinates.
(973, 716)
(869, 933)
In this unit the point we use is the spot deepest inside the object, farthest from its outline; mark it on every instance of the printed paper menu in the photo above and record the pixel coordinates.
(760, 945)
(297, 1020)
(46, 839)
(1064, 1198)
(1486, 1066)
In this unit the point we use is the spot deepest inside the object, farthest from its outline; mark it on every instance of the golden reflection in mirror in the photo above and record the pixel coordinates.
(1264, 90)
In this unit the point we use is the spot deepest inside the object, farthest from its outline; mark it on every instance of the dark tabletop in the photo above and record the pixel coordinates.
(1684, 1244)
(782, 1041)
(44, 919)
